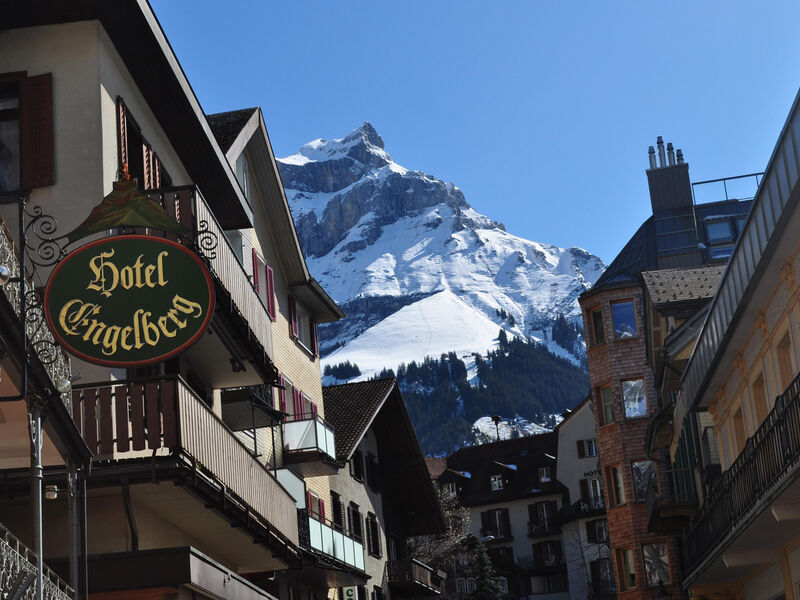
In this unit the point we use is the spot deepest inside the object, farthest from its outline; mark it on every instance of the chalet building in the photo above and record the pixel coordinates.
(627, 321)
(734, 425)
(584, 528)
(210, 470)
(384, 494)
(514, 497)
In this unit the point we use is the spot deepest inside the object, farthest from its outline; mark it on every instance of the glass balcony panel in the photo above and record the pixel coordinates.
(359, 552)
(327, 540)
(331, 444)
(339, 542)
(315, 534)
(299, 435)
(349, 553)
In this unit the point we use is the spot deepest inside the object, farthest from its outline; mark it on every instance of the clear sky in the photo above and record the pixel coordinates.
(541, 112)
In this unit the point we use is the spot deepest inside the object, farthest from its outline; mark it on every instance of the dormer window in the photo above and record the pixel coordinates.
(496, 483)
(544, 474)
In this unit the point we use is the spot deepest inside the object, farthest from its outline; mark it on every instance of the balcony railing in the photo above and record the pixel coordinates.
(16, 561)
(187, 206)
(308, 432)
(582, 509)
(411, 577)
(132, 419)
(321, 535)
(542, 528)
(496, 534)
(767, 457)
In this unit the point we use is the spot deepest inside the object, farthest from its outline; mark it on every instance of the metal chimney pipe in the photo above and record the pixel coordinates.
(670, 154)
(651, 154)
(662, 160)
(680, 156)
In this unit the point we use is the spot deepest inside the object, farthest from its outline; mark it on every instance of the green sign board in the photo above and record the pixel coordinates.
(129, 300)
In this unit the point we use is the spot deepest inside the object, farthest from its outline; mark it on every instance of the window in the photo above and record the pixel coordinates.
(336, 509)
(546, 554)
(719, 231)
(634, 398)
(587, 448)
(642, 471)
(136, 156)
(354, 520)
(598, 334)
(624, 318)
(602, 577)
(463, 559)
(760, 399)
(548, 584)
(721, 251)
(597, 531)
(470, 585)
(785, 362)
(450, 488)
(496, 523)
(373, 536)
(496, 483)
(656, 563)
(357, 466)
(627, 570)
(243, 175)
(315, 505)
(607, 405)
(503, 582)
(591, 492)
(26, 132)
(542, 516)
(544, 474)
(303, 327)
(617, 485)
(461, 586)
(372, 472)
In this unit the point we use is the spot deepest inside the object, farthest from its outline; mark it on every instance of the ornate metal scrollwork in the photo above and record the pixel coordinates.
(206, 241)
(44, 247)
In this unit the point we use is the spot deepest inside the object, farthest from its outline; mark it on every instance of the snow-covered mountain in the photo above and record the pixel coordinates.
(484, 430)
(417, 270)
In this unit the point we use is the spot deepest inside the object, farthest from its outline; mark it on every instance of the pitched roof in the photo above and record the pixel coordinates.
(351, 407)
(227, 125)
(436, 466)
(681, 285)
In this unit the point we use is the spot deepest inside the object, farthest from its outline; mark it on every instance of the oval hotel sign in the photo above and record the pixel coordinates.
(129, 300)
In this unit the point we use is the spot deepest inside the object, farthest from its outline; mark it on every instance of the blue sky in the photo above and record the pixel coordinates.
(541, 112)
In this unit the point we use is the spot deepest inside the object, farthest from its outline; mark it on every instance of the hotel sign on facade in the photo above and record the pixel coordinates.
(129, 300)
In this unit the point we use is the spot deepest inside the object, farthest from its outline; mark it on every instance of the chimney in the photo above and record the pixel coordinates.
(661, 159)
(651, 154)
(680, 156)
(670, 154)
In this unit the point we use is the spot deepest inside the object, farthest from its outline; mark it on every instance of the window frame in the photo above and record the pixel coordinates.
(616, 476)
(594, 323)
(635, 479)
(496, 483)
(547, 477)
(605, 407)
(626, 567)
(637, 332)
(644, 395)
(657, 580)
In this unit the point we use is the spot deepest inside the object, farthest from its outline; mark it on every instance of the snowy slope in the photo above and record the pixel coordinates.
(419, 271)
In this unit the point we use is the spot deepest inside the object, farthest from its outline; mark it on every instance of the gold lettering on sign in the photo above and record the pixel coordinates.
(79, 318)
(107, 276)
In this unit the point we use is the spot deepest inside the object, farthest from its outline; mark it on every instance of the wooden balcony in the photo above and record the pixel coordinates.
(163, 417)
(18, 567)
(242, 322)
(411, 578)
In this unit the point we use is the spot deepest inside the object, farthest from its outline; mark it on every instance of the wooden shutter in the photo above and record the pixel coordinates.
(298, 401)
(485, 522)
(282, 395)
(584, 483)
(314, 340)
(37, 162)
(506, 521)
(591, 531)
(293, 315)
(536, 549)
(255, 269)
(581, 449)
(270, 276)
(309, 504)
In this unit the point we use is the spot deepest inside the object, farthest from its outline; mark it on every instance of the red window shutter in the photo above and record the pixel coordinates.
(36, 132)
(314, 409)
(270, 291)
(293, 315)
(298, 402)
(255, 269)
(581, 449)
(282, 395)
(314, 340)
(321, 509)
(309, 503)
